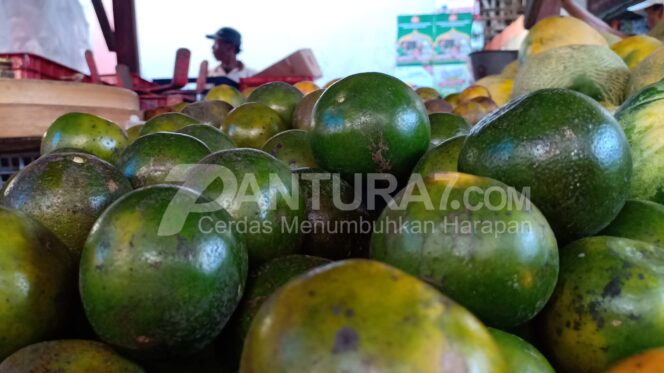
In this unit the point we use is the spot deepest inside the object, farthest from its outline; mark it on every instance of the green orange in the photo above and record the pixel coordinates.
(442, 158)
(227, 94)
(280, 97)
(151, 158)
(265, 201)
(361, 316)
(252, 124)
(210, 112)
(477, 240)
(303, 115)
(213, 138)
(68, 356)
(167, 122)
(37, 279)
(87, 132)
(154, 281)
(293, 147)
(370, 123)
(444, 126)
(607, 305)
(66, 192)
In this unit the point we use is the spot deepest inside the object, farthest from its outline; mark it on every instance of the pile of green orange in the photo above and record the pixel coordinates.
(365, 227)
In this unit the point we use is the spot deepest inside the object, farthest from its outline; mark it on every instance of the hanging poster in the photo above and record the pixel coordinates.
(433, 50)
(415, 39)
(451, 78)
(452, 37)
(416, 76)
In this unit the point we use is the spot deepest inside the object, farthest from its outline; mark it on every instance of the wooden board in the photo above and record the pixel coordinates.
(28, 107)
(51, 92)
(30, 120)
(540, 9)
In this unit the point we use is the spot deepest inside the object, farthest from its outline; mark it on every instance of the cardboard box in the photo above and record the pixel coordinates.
(299, 63)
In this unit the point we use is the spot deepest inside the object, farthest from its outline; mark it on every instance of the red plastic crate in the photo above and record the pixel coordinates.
(153, 101)
(138, 83)
(31, 66)
(256, 81)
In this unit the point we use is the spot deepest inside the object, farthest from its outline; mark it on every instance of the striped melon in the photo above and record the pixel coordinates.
(590, 69)
(649, 71)
(641, 118)
(635, 49)
(554, 32)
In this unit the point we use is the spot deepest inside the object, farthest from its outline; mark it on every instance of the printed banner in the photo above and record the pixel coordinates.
(415, 40)
(452, 37)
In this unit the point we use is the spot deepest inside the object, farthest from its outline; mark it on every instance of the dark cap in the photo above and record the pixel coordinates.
(227, 34)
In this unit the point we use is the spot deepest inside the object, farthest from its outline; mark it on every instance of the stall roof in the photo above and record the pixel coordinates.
(122, 38)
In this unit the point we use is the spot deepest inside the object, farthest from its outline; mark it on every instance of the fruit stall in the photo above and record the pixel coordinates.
(283, 224)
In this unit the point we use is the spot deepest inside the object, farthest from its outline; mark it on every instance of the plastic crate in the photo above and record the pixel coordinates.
(15, 154)
(10, 163)
(153, 101)
(256, 81)
(30, 66)
(137, 82)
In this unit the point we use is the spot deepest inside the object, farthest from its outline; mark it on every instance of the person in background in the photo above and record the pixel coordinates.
(227, 45)
(653, 10)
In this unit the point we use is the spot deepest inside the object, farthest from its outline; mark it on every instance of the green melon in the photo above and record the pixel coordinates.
(641, 118)
(590, 69)
(639, 220)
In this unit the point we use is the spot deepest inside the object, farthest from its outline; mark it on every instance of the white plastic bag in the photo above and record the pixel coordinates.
(55, 29)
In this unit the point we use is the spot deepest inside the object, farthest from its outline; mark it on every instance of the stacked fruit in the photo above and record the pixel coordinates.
(231, 234)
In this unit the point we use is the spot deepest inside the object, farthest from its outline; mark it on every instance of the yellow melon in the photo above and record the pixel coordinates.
(635, 49)
(590, 69)
(510, 70)
(649, 71)
(554, 32)
(499, 87)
